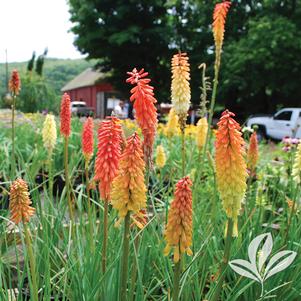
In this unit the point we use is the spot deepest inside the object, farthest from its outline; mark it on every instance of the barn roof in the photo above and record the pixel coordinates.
(87, 78)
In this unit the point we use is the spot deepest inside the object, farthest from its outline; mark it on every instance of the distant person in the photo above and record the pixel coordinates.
(119, 110)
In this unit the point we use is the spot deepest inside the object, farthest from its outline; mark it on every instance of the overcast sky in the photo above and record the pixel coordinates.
(27, 25)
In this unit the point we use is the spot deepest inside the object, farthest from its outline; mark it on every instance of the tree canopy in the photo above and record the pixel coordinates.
(261, 61)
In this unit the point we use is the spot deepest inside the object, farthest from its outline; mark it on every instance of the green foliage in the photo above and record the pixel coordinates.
(124, 35)
(68, 267)
(260, 60)
(36, 95)
(262, 65)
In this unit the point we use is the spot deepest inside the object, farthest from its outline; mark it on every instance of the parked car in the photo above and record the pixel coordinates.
(285, 123)
(80, 108)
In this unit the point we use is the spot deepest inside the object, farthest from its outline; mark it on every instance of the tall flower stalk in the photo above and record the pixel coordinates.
(180, 94)
(219, 20)
(129, 196)
(160, 157)
(296, 174)
(178, 233)
(65, 132)
(231, 175)
(21, 211)
(14, 87)
(146, 112)
(252, 155)
(106, 167)
(87, 149)
(49, 135)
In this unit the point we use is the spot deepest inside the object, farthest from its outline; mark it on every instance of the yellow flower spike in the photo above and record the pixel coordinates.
(201, 133)
(49, 133)
(20, 202)
(252, 156)
(296, 172)
(161, 157)
(231, 171)
(178, 232)
(180, 88)
(172, 126)
(128, 188)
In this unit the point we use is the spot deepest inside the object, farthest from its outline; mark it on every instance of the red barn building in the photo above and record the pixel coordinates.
(92, 87)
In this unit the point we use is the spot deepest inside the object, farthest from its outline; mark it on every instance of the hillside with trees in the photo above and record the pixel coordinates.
(41, 79)
(57, 72)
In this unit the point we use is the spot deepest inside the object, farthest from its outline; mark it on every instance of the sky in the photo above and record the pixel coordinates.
(28, 25)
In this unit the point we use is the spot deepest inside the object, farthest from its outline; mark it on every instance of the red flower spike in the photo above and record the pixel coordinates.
(15, 83)
(108, 154)
(144, 105)
(88, 139)
(66, 115)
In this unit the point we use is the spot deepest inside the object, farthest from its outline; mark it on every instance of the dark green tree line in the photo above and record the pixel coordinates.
(261, 63)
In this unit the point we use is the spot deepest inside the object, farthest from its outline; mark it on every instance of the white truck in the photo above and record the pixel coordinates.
(80, 108)
(285, 123)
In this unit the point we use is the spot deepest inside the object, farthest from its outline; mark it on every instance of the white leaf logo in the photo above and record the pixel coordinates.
(284, 259)
(255, 269)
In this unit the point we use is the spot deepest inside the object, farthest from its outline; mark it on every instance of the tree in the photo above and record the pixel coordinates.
(124, 35)
(31, 62)
(262, 65)
(40, 62)
(37, 95)
(261, 57)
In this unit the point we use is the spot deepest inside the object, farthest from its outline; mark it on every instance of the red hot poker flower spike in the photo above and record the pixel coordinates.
(15, 83)
(219, 20)
(88, 139)
(19, 204)
(178, 232)
(108, 154)
(144, 105)
(66, 115)
(231, 170)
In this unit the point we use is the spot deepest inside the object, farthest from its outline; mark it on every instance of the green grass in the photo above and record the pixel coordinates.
(71, 270)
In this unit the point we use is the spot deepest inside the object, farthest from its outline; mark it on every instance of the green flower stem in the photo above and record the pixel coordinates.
(213, 99)
(105, 235)
(225, 261)
(67, 181)
(13, 159)
(31, 263)
(89, 205)
(50, 175)
(289, 222)
(125, 258)
(183, 152)
(176, 281)
(134, 268)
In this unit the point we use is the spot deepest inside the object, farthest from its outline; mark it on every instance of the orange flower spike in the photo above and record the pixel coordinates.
(15, 83)
(231, 171)
(88, 139)
(178, 232)
(219, 20)
(144, 105)
(19, 204)
(108, 154)
(66, 115)
(129, 190)
(252, 156)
